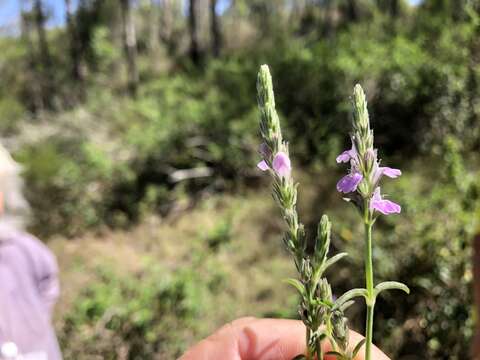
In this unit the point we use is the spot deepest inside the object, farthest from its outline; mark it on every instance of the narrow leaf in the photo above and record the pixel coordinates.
(296, 284)
(334, 353)
(391, 285)
(346, 305)
(349, 295)
(299, 357)
(358, 347)
(333, 260)
(327, 304)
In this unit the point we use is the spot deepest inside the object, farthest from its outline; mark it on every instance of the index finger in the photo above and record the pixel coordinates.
(262, 339)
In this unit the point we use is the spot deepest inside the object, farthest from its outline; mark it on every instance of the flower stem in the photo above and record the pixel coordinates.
(319, 350)
(309, 355)
(368, 282)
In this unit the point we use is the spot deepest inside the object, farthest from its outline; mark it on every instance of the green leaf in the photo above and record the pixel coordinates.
(297, 285)
(327, 304)
(335, 353)
(349, 295)
(391, 285)
(333, 260)
(346, 305)
(322, 336)
(299, 357)
(358, 347)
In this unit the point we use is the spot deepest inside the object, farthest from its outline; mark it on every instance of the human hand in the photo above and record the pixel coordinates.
(262, 339)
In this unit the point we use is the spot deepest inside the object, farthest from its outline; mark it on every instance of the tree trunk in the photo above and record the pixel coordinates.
(35, 90)
(153, 27)
(74, 42)
(352, 11)
(39, 17)
(44, 54)
(193, 28)
(215, 29)
(129, 45)
(389, 7)
(394, 8)
(329, 27)
(166, 22)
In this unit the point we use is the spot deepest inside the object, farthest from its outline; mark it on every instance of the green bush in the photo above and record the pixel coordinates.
(100, 174)
(135, 316)
(417, 95)
(67, 181)
(11, 111)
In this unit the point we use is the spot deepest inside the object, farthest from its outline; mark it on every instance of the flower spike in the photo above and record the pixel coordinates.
(362, 186)
(317, 309)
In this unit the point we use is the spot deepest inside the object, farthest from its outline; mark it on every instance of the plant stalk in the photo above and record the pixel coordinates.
(319, 350)
(309, 355)
(368, 282)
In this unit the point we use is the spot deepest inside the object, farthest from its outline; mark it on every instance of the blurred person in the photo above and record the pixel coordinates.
(262, 339)
(29, 284)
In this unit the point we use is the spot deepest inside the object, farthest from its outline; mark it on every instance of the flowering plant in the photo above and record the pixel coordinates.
(322, 314)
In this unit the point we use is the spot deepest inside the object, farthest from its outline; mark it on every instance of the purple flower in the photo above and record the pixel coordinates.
(387, 171)
(349, 182)
(390, 172)
(344, 157)
(347, 155)
(386, 207)
(281, 164)
(262, 165)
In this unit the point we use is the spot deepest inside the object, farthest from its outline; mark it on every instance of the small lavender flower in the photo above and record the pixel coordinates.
(262, 165)
(390, 172)
(345, 156)
(386, 207)
(281, 164)
(349, 183)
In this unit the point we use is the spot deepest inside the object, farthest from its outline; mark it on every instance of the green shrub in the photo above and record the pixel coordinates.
(135, 316)
(66, 183)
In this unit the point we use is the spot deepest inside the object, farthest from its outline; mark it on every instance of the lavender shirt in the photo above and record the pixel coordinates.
(28, 291)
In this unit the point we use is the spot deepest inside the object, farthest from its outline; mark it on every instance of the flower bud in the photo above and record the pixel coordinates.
(340, 330)
(265, 151)
(324, 291)
(306, 269)
(370, 160)
(265, 87)
(361, 121)
(323, 238)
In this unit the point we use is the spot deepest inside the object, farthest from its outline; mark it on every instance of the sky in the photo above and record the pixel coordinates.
(10, 12)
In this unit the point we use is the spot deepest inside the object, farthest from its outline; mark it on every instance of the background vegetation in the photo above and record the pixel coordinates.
(136, 124)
